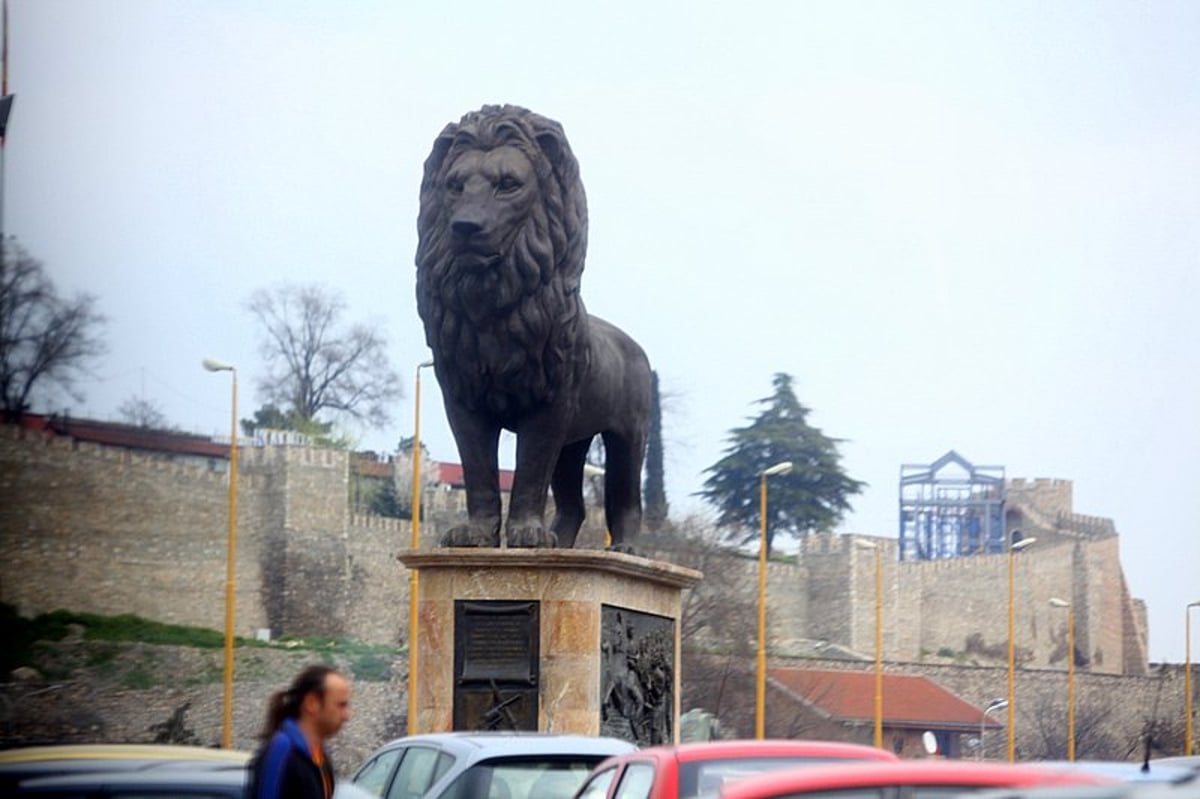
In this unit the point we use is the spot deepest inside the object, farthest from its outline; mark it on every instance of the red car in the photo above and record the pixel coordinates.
(687, 770)
(910, 779)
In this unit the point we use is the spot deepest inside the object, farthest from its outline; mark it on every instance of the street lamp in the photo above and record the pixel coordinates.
(413, 579)
(760, 692)
(1062, 603)
(227, 707)
(592, 470)
(997, 704)
(1013, 548)
(1189, 745)
(878, 638)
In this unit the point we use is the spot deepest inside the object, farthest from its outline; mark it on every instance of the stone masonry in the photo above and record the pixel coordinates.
(108, 530)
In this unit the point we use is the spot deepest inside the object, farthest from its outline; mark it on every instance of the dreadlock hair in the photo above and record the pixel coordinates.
(286, 704)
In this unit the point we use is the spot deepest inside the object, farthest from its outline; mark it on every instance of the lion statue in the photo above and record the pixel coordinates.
(502, 236)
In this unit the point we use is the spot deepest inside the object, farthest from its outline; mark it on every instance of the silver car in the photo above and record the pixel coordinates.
(480, 765)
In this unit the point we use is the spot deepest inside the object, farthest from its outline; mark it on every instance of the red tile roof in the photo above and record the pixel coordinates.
(451, 474)
(129, 436)
(908, 700)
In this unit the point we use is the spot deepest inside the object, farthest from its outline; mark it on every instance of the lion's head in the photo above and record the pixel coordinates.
(502, 237)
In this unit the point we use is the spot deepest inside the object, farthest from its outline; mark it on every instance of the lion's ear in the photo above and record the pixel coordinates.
(441, 146)
(552, 144)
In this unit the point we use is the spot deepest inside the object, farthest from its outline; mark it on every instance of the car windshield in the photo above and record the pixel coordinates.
(521, 778)
(706, 777)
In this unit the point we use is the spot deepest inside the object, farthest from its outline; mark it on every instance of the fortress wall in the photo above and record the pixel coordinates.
(831, 591)
(105, 530)
(377, 609)
(959, 606)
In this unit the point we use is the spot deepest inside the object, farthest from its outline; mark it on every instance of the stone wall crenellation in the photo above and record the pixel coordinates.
(108, 530)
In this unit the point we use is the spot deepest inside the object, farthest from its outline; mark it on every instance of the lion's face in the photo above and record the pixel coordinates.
(502, 235)
(487, 196)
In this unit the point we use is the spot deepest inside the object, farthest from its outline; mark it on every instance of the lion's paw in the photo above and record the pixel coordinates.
(531, 535)
(472, 535)
(625, 549)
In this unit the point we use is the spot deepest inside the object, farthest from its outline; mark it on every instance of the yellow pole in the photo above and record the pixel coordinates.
(1011, 659)
(1071, 683)
(1189, 743)
(227, 709)
(760, 691)
(878, 648)
(413, 578)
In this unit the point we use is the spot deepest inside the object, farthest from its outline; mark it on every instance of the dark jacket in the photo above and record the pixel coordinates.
(284, 768)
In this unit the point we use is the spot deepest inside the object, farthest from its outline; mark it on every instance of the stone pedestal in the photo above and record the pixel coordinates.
(580, 666)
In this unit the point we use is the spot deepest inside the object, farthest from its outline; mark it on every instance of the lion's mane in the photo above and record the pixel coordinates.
(507, 339)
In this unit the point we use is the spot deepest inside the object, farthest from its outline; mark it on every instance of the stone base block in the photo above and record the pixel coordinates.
(584, 678)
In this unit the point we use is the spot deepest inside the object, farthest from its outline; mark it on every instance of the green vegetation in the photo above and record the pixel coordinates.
(810, 497)
(368, 661)
(138, 679)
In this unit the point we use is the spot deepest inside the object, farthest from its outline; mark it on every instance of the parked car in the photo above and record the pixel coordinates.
(688, 770)
(907, 779)
(1125, 771)
(479, 765)
(23, 763)
(212, 782)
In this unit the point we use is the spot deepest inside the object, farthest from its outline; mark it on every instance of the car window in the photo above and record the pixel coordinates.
(845, 793)
(523, 778)
(597, 786)
(415, 774)
(936, 791)
(705, 777)
(635, 782)
(444, 762)
(169, 794)
(373, 774)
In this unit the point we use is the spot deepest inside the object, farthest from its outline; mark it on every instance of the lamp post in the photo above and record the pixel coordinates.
(413, 579)
(760, 687)
(1189, 745)
(1062, 603)
(996, 704)
(1013, 548)
(592, 470)
(227, 706)
(878, 637)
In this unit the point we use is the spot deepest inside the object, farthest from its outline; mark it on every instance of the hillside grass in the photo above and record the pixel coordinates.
(370, 661)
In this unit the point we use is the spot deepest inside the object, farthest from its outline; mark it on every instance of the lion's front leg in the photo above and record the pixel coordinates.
(539, 442)
(478, 440)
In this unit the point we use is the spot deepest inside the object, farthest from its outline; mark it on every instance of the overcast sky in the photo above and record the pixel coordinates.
(958, 225)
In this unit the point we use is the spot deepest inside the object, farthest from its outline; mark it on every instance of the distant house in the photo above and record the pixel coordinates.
(841, 705)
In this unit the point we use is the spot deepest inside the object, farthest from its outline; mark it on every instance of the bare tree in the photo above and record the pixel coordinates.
(1094, 729)
(719, 613)
(402, 476)
(717, 626)
(315, 364)
(141, 412)
(45, 340)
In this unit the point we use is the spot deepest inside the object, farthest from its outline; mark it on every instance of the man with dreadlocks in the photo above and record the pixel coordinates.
(292, 761)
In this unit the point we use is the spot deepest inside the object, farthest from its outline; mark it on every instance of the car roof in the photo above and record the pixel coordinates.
(481, 745)
(752, 748)
(718, 750)
(234, 776)
(31, 754)
(1126, 771)
(906, 772)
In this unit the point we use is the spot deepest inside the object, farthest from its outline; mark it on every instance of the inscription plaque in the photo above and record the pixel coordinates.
(637, 676)
(496, 665)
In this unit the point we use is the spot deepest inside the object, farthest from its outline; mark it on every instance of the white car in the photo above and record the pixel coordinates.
(480, 765)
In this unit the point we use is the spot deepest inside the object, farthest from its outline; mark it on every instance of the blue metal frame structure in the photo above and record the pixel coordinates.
(951, 508)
